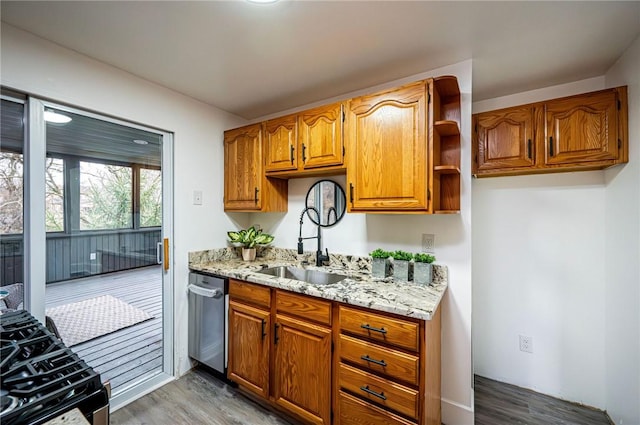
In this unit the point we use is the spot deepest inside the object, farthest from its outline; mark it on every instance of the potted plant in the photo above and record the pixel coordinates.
(422, 268)
(248, 239)
(380, 264)
(402, 269)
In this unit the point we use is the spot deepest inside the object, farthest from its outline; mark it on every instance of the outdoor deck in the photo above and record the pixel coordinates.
(122, 356)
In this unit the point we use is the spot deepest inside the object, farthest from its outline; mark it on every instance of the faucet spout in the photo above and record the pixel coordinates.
(321, 259)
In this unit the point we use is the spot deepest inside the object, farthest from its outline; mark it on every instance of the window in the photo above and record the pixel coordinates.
(150, 197)
(105, 196)
(54, 195)
(11, 196)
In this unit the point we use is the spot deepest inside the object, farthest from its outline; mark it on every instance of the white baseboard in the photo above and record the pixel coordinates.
(455, 413)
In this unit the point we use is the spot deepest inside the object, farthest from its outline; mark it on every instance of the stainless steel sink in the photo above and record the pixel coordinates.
(317, 277)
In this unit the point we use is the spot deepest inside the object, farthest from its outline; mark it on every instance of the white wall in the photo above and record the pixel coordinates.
(359, 234)
(539, 271)
(622, 255)
(37, 66)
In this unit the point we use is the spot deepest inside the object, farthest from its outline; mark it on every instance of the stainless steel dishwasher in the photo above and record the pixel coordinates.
(208, 312)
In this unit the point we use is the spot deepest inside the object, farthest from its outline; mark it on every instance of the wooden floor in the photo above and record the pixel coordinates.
(123, 356)
(196, 398)
(497, 403)
(200, 398)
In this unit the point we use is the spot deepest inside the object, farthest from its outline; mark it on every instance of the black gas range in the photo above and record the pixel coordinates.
(41, 378)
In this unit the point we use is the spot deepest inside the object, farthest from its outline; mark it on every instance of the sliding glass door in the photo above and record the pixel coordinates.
(12, 112)
(98, 225)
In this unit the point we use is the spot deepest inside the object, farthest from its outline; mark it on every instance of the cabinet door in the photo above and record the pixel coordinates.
(582, 129)
(387, 158)
(243, 168)
(280, 139)
(321, 136)
(249, 339)
(302, 369)
(504, 139)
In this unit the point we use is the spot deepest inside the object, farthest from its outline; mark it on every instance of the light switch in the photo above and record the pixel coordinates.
(197, 197)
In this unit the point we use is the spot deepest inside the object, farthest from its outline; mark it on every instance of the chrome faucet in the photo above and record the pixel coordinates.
(321, 258)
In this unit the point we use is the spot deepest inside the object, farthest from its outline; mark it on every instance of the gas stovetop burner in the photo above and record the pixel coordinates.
(41, 377)
(7, 402)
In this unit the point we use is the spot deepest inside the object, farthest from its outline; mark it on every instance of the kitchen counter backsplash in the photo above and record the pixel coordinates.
(359, 288)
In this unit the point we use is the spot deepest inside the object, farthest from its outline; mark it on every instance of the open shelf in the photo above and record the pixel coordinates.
(446, 145)
(447, 86)
(447, 128)
(447, 169)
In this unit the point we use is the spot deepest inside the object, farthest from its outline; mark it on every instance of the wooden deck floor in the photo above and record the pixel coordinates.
(122, 356)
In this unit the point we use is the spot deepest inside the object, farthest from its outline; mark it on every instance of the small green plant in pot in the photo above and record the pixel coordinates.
(422, 268)
(248, 239)
(380, 264)
(402, 266)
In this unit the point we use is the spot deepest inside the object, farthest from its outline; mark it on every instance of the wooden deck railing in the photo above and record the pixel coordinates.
(82, 254)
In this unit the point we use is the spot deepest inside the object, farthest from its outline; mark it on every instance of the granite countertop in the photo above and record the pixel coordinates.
(359, 288)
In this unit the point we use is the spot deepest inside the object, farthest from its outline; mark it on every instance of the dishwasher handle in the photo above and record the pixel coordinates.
(205, 292)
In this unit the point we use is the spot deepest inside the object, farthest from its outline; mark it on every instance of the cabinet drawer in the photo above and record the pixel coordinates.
(250, 292)
(353, 411)
(375, 358)
(379, 391)
(303, 306)
(377, 327)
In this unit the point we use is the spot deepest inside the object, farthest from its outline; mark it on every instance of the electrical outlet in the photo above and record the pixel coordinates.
(526, 344)
(92, 256)
(428, 243)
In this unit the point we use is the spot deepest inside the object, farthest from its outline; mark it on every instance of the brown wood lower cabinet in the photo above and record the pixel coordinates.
(384, 369)
(302, 369)
(249, 347)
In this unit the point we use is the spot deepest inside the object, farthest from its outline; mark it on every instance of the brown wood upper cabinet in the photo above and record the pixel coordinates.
(306, 143)
(582, 132)
(387, 158)
(246, 187)
(399, 147)
(404, 149)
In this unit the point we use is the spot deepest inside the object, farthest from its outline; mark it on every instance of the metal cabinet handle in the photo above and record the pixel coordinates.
(370, 328)
(529, 148)
(374, 393)
(291, 153)
(304, 153)
(264, 330)
(366, 358)
(275, 333)
(351, 193)
(255, 195)
(550, 146)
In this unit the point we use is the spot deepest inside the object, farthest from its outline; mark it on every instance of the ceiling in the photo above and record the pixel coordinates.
(258, 59)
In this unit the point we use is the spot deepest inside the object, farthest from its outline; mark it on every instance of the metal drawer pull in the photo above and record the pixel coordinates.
(366, 358)
(264, 331)
(373, 393)
(369, 328)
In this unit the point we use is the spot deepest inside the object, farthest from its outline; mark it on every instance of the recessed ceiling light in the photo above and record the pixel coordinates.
(54, 117)
(140, 142)
(262, 1)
